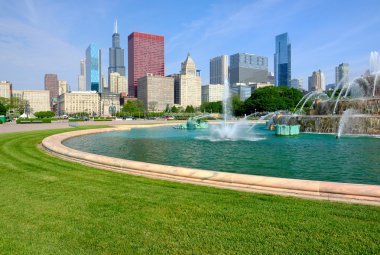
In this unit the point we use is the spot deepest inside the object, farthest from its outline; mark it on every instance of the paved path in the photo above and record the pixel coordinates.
(13, 127)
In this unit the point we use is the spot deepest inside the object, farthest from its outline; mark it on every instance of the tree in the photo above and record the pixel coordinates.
(174, 109)
(270, 99)
(47, 114)
(167, 109)
(212, 107)
(237, 104)
(152, 105)
(3, 109)
(134, 107)
(189, 109)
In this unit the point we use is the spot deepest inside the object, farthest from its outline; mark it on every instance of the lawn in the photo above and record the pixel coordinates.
(50, 206)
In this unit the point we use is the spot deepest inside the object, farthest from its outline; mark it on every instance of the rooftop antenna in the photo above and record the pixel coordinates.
(115, 27)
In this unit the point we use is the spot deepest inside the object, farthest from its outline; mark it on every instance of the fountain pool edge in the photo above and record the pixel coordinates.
(346, 192)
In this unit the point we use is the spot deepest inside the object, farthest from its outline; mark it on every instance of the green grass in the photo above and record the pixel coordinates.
(50, 206)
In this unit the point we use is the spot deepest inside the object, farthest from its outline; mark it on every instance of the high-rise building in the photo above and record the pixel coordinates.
(188, 85)
(116, 55)
(212, 93)
(341, 74)
(145, 55)
(93, 69)
(51, 84)
(5, 89)
(317, 81)
(246, 68)
(283, 61)
(296, 83)
(63, 87)
(82, 76)
(156, 92)
(79, 102)
(118, 83)
(219, 70)
(37, 100)
(242, 90)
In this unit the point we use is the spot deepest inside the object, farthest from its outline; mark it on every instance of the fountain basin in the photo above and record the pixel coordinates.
(287, 130)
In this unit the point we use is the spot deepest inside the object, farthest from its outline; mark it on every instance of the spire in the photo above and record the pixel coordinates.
(115, 27)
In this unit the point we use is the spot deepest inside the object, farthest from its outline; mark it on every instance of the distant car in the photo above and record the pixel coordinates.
(65, 116)
(152, 118)
(169, 117)
(128, 118)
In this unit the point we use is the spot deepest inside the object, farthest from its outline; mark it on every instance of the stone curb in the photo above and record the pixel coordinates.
(346, 192)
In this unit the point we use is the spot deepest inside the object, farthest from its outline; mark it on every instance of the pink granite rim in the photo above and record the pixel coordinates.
(318, 189)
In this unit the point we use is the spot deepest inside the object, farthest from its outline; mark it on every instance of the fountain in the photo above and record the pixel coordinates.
(344, 120)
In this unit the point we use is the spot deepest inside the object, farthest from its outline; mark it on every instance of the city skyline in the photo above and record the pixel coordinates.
(213, 29)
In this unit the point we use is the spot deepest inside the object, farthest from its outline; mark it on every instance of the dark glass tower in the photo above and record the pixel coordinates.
(282, 61)
(116, 55)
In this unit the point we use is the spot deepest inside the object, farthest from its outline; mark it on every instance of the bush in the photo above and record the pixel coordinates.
(47, 114)
(36, 120)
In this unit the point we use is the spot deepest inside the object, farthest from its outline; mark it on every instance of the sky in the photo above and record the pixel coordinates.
(41, 36)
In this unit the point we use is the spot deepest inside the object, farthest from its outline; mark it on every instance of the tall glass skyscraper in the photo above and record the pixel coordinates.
(116, 55)
(93, 68)
(282, 61)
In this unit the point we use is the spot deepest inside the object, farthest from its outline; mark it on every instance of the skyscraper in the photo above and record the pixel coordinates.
(219, 69)
(341, 74)
(93, 68)
(51, 84)
(145, 55)
(116, 55)
(282, 61)
(317, 81)
(296, 83)
(248, 68)
(82, 76)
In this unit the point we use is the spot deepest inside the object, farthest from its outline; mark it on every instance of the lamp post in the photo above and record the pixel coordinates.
(112, 109)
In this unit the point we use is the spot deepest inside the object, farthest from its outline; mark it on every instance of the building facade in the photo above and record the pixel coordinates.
(212, 93)
(317, 81)
(246, 68)
(188, 85)
(296, 83)
(93, 69)
(242, 90)
(341, 74)
(156, 92)
(145, 55)
(109, 104)
(118, 83)
(219, 70)
(5, 89)
(51, 84)
(63, 87)
(79, 102)
(82, 76)
(116, 55)
(37, 100)
(283, 61)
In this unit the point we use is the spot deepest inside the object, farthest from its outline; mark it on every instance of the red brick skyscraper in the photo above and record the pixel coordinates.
(145, 55)
(51, 84)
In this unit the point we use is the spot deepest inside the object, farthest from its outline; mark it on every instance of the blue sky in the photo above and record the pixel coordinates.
(40, 36)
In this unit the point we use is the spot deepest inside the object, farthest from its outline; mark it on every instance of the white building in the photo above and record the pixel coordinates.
(296, 83)
(5, 89)
(187, 85)
(63, 88)
(82, 76)
(118, 83)
(79, 102)
(317, 81)
(212, 93)
(219, 70)
(37, 100)
(156, 92)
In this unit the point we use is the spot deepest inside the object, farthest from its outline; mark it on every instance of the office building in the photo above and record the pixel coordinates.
(77, 102)
(93, 69)
(242, 90)
(145, 55)
(317, 81)
(296, 83)
(116, 55)
(188, 85)
(118, 83)
(156, 92)
(246, 68)
(341, 75)
(5, 89)
(82, 76)
(219, 70)
(283, 61)
(109, 104)
(37, 100)
(51, 84)
(212, 93)
(63, 87)
(259, 85)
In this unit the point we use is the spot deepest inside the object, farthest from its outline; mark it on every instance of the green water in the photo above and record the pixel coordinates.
(307, 156)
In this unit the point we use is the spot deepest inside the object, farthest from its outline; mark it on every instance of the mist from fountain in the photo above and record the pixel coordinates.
(344, 120)
(315, 94)
(374, 61)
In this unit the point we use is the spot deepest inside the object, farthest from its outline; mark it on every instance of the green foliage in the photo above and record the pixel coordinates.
(189, 109)
(174, 109)
(237, 104)
(133, 108)
(54, 206)
(3, 109)
(212, 107)
(34, 120)
(47, 114)
(271, 99)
